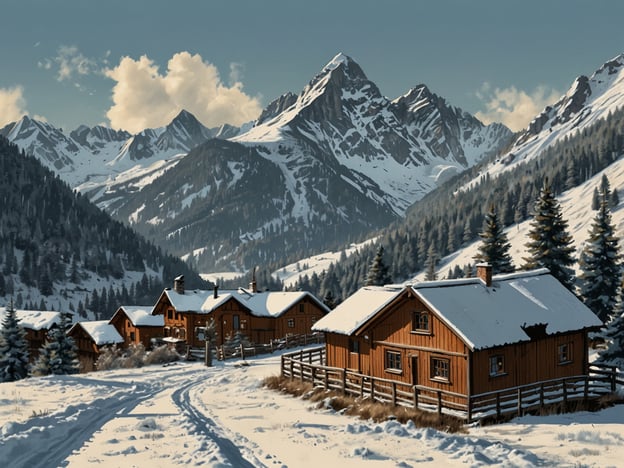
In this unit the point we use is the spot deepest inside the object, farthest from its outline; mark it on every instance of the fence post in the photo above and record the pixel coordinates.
(302, 371)
(469, 410)
(344, 381)
(542, 395)
(292, 366)
(565, 391)
(326, 379)
(282, 366)
(313, 375)
(362, 387)
(372, 381)
(613, 375)
(519, 402)
(439, 402)
(498, 411)
(416, 391)
(242, 351)
(394, 396)
(586, 389)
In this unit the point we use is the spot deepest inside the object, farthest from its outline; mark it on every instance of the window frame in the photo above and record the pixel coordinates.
(290, 323)
(417, 322)
(393, 361)
(444, 377)
(236, 322)
(499, 365)
(565, 353)
(354, 346)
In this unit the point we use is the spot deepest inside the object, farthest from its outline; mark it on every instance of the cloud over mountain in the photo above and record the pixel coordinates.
(143, 97)
(12, 104)
(513, 107)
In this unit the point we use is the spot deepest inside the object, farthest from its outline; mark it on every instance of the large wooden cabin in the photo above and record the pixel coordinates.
(466, 336)
(261, 316)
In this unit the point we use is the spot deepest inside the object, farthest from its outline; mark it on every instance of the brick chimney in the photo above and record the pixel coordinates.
(178, 284)
(484, 273)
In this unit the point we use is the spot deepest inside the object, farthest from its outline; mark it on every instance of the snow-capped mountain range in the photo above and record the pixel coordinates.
(339, 156)
(588, 100)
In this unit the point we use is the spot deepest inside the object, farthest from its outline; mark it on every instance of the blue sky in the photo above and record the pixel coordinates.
(502, 60)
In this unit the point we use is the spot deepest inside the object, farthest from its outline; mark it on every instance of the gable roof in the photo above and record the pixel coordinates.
(492, 316)
(357, 309)
(481, 316)
(141, 316)
(260, 304)
(100, 331)
(34, 319)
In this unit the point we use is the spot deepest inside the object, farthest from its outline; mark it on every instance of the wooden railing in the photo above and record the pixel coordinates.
(225, 351)
(310, 365)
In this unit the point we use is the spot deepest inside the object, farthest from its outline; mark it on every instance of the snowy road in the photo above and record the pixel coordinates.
(186, 414)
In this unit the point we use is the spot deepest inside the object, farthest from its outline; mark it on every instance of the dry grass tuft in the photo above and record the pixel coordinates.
(364, 408)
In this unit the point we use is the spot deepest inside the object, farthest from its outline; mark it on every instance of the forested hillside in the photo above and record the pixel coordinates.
(58, 251)
(447, 218)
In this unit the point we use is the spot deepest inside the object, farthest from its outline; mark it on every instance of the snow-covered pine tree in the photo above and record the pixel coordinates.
(58, 355)
(494, 247)
(378, 271)
(550, 245)
(13, 348)
(430, 264)
(613, 334)
(599, 262)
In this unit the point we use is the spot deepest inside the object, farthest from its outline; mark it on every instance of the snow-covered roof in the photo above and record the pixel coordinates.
(357, 309)
(142, 316)
(100, 331)
(260, 304)
(492, 316)
(482, 316)
(34, 319)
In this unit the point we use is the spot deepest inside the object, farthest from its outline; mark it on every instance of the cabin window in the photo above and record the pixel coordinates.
(132, 336)
(291, 323)
(354, 346)
(301, 308)
(128, 324)
(497, 365)
(564, 352)
(421, 322)
(170, 314)
(236, 322)
(440, 369)
(393, 361)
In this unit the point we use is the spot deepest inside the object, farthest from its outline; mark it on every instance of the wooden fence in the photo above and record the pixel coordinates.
(225, 351)
(309, 365)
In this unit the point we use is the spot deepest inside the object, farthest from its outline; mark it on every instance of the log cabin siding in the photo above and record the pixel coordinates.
(132, 334)
(338, 353)
(393, 332)
(86, 349)
(530, 362)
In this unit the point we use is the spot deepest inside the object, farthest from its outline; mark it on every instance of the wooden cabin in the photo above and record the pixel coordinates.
(136, 324)
(260, 316)
(37, 325)
(466, 336)
(90, 337)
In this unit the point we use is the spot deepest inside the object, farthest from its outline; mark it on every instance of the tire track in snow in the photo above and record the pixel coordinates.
(207, 426)
(48, 441)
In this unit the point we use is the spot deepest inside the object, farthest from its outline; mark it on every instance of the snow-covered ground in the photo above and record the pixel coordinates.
(187, 414)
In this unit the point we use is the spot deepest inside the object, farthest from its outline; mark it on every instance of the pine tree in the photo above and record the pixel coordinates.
(378, 271)
(58, 355)
(599, 263)
(614, 335)
(550, 246)
(13, 348)
(595, 205)
(430, 264)
(494, 247)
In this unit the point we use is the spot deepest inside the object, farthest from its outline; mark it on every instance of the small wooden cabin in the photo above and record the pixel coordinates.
(261, 316)
(466, 336)
(136, 324)
(90, 337)
(37, 325)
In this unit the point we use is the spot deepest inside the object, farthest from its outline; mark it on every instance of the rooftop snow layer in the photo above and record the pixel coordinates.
(101, 332)
(142, 316)
(482, 316)
(34, 319)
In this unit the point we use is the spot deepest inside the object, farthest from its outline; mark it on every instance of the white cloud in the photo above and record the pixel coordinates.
(513, 107)
(71, 62)
(12, 105)
(144, 98)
